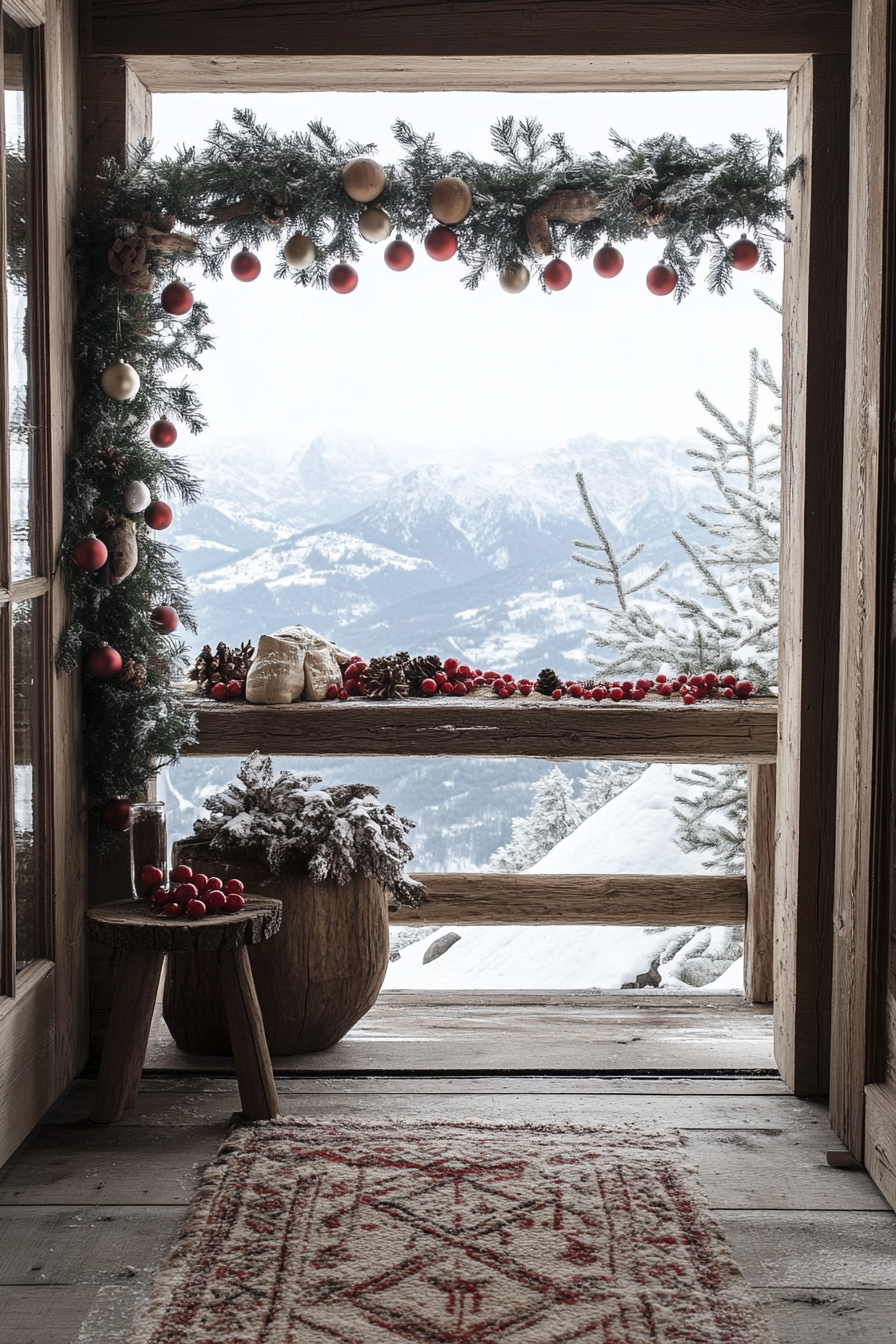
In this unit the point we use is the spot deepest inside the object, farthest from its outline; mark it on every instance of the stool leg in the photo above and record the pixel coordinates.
(128, 1035)
(254, 1074)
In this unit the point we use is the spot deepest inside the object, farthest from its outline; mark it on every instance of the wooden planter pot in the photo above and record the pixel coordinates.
(314, 981)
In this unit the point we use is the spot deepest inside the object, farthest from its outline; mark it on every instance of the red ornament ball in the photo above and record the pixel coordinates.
(608, 261)
(661, 279)
(218, 691)
(234, 688)
(440, 243)
(744, 254)
(89, 553)
(177, 299)
(104, 662)
(165, 617)
(163, 433)
(117, 814)
(182, 873)
(245, 266)
(158, 515)
(343, 278)
(399, 256)
(557, 274)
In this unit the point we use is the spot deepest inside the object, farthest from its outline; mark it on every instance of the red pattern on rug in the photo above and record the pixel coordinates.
(345, 1232)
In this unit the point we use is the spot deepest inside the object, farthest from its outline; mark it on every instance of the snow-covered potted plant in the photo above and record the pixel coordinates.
(335, 857)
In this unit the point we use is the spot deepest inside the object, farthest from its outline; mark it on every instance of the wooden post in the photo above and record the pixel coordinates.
(809, 686)
(116, 112)
(125, 1049)
(759, 961)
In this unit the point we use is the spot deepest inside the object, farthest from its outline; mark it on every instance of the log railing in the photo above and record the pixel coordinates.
(709, 733)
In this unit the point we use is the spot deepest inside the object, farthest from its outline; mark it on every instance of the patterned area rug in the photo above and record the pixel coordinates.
(346, 1232)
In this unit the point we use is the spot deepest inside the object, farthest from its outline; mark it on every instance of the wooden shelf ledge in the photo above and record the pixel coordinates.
(559, 898)
(712, 732)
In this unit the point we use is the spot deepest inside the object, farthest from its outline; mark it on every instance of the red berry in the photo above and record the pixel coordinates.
(332, 691)
(161, 896)
(575, 691)
(627, 685)
(172, 910)
(151, 876)
(440, 243)
(343, 694)
(218, 691)
(182, 873)
(235, 901)
(215, 900)
(525, 689)
(104, 662)
(245, 266)
(165, 617)
(460, 688)
(359, 665)
(688, 699)
(450, 666)
(557, 694)
(637, 693)
(200, 882)
(728, 693)
(660, 678)
(587, 695)
(608, 261)
(464, 671)
(234, 886)
(343, 279)
(616, 693)
(743, 689)
(695, 681)
(508, 676)
(661, 279)
(213, 884)
(439, 678)
(599, 693)
(428, 686)
(729, 679)
(399, 255)
(710, 679)
(196, 908)
(176, 299)
(89, 553)
(188, 892)
(557, 274)
(503, 691)
(665, 688)
(163, 433)
(234, 688)
(744, 254)
(158, 515)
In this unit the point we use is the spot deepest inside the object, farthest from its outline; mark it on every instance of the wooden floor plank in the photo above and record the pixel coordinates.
(864, 1317)
(818, 1250)
(44, 1315)
(84, 1244)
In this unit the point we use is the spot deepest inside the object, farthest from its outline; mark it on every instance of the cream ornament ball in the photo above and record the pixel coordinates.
(136, 497)
(450, 200)
(375, 225)
(299, 252)
(364, 180)
(120, 381)
(514, 279)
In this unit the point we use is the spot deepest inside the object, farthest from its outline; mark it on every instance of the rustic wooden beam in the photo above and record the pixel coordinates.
(548, 898)
(116, 112)
(570, 730)
(759, 931)
(483, 28)
(810, 687)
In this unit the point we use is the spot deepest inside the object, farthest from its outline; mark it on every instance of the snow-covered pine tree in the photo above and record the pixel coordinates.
(553, 816)
(603, 780)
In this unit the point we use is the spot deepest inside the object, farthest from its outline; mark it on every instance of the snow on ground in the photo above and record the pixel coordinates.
(633, 833)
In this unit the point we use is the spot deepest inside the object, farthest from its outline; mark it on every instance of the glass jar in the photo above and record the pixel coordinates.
(149, 845)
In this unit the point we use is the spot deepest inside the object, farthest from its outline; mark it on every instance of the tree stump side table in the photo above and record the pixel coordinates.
(146, 939)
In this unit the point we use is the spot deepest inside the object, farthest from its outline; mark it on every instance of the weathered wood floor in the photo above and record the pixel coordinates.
(88, 1212)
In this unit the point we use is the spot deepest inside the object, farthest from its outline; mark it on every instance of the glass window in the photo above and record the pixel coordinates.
(25, 730)
(15, 193)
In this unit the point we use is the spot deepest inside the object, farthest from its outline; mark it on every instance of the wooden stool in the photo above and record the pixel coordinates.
(146, 938)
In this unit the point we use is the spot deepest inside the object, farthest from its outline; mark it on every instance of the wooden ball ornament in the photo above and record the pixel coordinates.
(120, 381)
(158, 516)
(165, 617)
(450, 200)
(375, 225)
(117, 814)
(245, 266)
(121, 540)
(136, 496)
(661, 279)
(744, 254)
(89, 553)
(177, 299)
(104, 662)
(299, 251)
(557, 274)
(163, 433)
(399, 256)
(440, 243)
(364, 180)
(608, 261)
(343, 278)
(514, 279)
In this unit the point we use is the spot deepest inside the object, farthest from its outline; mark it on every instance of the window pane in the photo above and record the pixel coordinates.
(16, 196)
(26, 718)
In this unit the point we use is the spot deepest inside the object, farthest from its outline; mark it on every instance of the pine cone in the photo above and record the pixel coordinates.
(419, 669)
(386, 678)
(132, 676)
(547, 681)
(225, 664)
(114, 461)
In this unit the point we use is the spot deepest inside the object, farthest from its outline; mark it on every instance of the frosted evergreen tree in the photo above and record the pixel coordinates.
(554, 815)
(714, 820)
(603, 780)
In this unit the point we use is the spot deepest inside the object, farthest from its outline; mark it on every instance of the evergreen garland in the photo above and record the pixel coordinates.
(240, 190)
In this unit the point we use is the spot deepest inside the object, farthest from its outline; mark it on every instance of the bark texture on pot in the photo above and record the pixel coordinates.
(314, 980)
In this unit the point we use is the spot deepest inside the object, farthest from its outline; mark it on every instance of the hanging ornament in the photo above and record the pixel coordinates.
(343, 278)
(744, 254)
(375, 225)
(117, 814)
(399, 256)
(89, 553)
(163, 433)
(120, 537)
(450, 200)
(245, 266)
(557, 274)
(158, 516)
(608, 261)
(299, 251)
(166, 618)
(120, 381)
(135, 497)
(364, 180)
(661, 279)
(440, 243)
(176, 299)
(104, 662)
(514, 279)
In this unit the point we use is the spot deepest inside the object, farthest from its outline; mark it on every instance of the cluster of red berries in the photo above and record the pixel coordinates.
(191, 894)
(352, 680)
(227, 690)
(455, 678)
(691, 689)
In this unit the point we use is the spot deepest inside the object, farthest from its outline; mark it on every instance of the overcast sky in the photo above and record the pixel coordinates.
(415, 358)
